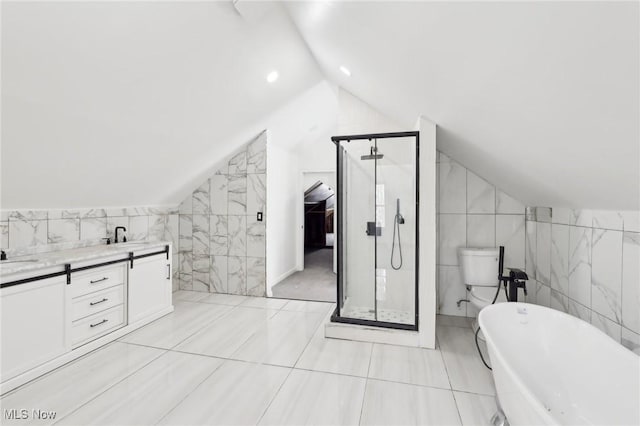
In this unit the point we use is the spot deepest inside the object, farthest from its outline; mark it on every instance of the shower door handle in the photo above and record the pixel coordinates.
(372, 229)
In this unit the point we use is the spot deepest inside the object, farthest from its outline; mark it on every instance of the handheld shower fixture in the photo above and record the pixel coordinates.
(397, 221)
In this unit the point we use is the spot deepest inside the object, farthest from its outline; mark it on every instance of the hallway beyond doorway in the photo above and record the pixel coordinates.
(316, 282)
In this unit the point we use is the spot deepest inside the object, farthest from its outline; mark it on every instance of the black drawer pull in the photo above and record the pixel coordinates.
(98, 323)
(97, 281)
(99, 301)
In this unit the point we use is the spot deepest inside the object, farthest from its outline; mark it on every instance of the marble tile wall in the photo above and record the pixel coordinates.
(587, 263)
(472, 213)
(221, 242)
(37, 231)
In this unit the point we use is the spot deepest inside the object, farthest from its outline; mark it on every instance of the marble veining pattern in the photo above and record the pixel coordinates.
(218, 245)
(237, 275)
(25, 233)
(510, 233)
(256, 276)
(453, 187)
(452, 236)
(63, 230)
(630, 281)
(481, 195)
(600, 285)
(218, 196)
(237, 226)
(543, 252)
(256, 192)
(93, 228)
(473, 213)
(237, 194)
(138, 229)
(560, 258)
(186, 233)
(530, 249)
(256, 239)
(200, 234)
(200, 204)
(218, 225)
(481, 230)
(257, 155)
(506, 204)
(606, 273)
(580, 265)
(238, 163)
(224, 229)
(218, 274)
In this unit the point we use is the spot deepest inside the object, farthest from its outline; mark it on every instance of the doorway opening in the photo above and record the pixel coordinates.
(315, 278)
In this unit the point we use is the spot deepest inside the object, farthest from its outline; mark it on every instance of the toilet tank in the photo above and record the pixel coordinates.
(479, 266)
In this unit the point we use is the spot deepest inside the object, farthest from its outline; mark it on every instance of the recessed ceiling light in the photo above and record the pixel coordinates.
(345, 70)
(272, 76)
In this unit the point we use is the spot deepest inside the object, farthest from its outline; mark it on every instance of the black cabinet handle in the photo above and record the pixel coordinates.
(98, 323)
(99, 301)
(97, 281)
(169, 271)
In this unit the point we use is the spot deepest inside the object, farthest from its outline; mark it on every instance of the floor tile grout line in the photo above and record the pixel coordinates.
(165, 351)
(192, 390)
(322, 323)
(455, 401)
(259, 329)
(197, 330)
(366, 384)
(275, 395)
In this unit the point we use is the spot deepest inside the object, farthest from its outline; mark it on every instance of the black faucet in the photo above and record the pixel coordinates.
(516, 279)
(3, 255)
(124, 238)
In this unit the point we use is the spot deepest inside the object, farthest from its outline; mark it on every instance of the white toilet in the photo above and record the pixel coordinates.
(479, 268)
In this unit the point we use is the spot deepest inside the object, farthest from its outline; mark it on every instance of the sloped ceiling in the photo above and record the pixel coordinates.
(124, 103)
(540, 98)
(117, 103)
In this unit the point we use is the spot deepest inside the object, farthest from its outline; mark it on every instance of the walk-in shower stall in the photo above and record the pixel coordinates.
(377, 229)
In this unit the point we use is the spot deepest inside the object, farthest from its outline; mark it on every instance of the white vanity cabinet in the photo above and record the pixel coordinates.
(33, 325)
(55, 313)
(97, 302)
(149, 286)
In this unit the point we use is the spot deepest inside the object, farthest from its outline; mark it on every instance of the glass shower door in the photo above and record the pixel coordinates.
(377, 230)
(396, 244)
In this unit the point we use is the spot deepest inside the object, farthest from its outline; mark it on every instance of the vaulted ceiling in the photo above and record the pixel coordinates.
(117, 103)
(541, 98)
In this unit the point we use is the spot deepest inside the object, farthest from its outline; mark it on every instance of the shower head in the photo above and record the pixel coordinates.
(372, 156)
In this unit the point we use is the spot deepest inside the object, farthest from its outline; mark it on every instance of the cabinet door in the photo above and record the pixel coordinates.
(33, 325)
(149, 287)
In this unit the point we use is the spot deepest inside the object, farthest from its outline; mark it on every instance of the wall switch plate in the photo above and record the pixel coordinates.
(259, 217)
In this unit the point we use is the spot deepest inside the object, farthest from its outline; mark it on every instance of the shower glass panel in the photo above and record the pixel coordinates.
(377, 229)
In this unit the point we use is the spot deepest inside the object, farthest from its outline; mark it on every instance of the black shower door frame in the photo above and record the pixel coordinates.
(337, 140)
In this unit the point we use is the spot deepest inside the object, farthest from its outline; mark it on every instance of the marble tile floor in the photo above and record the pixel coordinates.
(239, 360)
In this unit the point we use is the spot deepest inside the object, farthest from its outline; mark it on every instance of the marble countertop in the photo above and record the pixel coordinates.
(34, 262)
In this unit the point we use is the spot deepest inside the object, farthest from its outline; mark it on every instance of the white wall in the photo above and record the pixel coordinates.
(299, 140)
(281, 205)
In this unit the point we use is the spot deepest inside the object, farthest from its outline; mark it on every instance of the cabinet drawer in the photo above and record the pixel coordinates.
(96, 325)
(97, 279)
(97, 302)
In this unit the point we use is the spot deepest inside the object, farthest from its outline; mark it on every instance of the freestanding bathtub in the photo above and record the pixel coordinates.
(551, 368)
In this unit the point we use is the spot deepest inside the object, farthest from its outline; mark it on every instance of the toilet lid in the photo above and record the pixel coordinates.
(486, 293)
